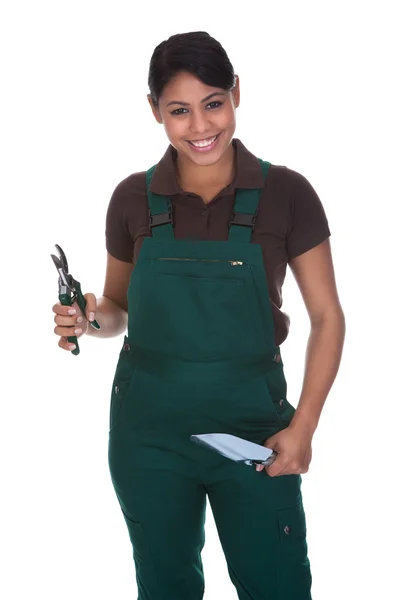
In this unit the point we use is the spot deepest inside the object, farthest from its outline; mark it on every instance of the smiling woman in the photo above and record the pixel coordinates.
(205, 88)
(198, 245)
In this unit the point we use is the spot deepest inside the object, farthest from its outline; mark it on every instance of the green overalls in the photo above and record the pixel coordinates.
(200, 357)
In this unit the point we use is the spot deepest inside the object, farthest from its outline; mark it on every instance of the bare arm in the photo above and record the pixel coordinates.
(314, 274)
(112, 306)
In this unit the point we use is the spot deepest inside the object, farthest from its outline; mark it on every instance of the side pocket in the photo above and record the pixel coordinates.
(293, 554)
(146, 576)
(276, 384)
(122, 380)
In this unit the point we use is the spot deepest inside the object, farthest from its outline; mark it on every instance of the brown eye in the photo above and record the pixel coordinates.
(216, 102)
(175, 112)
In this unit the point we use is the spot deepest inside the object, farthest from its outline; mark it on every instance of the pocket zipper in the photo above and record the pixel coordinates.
(234, 263)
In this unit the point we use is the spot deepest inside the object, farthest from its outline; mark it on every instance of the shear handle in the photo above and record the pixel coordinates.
(81, 300)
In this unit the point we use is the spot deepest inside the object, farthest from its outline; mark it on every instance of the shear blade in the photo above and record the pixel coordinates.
(62, 272)
(63, 258)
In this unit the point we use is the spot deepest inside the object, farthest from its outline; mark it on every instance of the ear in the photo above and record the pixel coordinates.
(155, 109)
(236, 92)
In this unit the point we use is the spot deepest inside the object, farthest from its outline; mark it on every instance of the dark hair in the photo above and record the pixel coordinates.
(195, 52)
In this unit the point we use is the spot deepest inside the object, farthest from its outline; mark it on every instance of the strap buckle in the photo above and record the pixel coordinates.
(161, 218)
(244, 219)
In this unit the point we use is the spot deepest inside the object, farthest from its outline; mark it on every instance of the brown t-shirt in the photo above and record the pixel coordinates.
(290, 221)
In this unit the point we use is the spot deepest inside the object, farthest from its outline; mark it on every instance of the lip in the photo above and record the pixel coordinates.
(207, 148)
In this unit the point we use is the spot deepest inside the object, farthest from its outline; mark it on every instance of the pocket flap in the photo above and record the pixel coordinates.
(292, 522)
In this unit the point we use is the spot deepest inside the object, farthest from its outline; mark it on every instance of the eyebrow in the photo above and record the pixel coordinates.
(204, 99)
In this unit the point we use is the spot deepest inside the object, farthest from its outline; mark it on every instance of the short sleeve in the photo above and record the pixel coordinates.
(309, 224)
(119, 242)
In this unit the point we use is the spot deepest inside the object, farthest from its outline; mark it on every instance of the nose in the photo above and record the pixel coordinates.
(200, 123)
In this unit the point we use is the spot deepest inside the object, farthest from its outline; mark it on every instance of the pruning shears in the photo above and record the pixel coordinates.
(69, 291)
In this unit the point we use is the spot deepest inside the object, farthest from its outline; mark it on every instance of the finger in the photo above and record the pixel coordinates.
(68, 331)
(65, 345)
(277, 466)
(287, 471)
(293, 469)
(91, 306)
(66, 321)
(63, 309)
(261, 467)
(270, 442)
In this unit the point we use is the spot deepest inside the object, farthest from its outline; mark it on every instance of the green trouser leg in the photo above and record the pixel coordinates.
(200, 357)
(161, 479)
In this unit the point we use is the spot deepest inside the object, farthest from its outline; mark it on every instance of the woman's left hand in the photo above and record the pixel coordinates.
(293, 445)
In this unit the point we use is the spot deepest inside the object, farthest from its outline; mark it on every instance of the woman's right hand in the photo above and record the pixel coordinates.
(66, 323)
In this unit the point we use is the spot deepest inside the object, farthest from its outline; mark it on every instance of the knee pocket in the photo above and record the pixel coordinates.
(292, 527)
(294, 566)
(146, 576)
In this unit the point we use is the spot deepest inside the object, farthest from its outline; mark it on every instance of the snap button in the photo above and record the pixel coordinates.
(287, 529)
(204, 213)
(281, 402)
(116, 389)
(127, 347)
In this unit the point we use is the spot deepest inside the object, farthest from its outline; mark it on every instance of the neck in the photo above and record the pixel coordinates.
(192, 176)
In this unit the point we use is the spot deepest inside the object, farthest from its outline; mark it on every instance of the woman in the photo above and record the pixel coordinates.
(197, 252)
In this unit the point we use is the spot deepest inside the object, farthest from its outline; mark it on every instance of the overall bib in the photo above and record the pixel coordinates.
(200, 357)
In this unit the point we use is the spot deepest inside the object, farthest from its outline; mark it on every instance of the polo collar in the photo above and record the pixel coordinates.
(248, 171)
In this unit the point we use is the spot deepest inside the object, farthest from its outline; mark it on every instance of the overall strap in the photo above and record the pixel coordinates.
(242, 221)
(245, 210)
(160, 212)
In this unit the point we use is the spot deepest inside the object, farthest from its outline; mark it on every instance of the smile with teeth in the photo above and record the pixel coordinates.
(204, 143)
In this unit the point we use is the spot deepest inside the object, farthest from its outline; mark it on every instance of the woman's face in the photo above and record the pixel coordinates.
(189, 114)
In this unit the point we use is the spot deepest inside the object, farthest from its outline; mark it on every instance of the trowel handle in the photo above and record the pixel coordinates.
(270, 459)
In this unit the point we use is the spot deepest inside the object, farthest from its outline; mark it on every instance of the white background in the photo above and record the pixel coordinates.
(318, 94)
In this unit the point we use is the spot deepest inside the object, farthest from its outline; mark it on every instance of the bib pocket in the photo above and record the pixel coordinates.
(197, 309)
